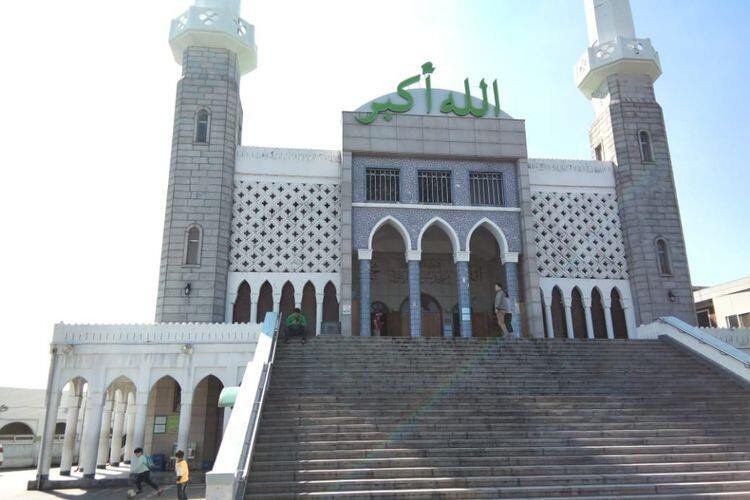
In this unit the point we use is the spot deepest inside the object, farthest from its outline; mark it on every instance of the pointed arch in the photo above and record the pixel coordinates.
(242, 304)
(578, 313)
(559, 325)
(446, 228)
(265, 301)
(597, 313)
(330, 303)
(309, 306)
(397, 225)
(619, 323)
(494, 229)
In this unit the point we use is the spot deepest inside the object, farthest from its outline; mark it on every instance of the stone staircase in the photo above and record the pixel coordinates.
(486, 418)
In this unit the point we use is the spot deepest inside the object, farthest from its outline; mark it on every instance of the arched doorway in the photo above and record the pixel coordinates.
(437, 280)
(559, 327)
(162, 422)
(330, 308)
(432, 315)
(309, 308)
(16, 429)
(265, 301)
(618, 316)
(578, 315)
(241, 311)
(287, 303)
(597, 315)
(207, 421)
(485, 269)
(389, 276)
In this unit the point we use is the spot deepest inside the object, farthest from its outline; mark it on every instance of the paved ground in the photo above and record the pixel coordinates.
(13, 487)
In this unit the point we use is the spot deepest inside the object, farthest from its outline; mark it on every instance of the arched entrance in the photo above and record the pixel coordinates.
(389, 277)
(241, 312)
(559, 326)
(207, 421)
(162, 423)
(330, 309)
(578, 315)
(485, 269)
(437, 280)
(265, 301)
(309, 308)
(619, 324)
(597, 315)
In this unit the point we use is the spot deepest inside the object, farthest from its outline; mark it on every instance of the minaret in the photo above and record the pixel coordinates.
(215, 47)
(617, 73)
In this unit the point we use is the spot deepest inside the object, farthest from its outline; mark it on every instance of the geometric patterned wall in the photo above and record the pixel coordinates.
(578, 235)
(286, 227)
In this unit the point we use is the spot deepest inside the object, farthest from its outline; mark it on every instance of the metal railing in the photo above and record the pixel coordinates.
(486, 188)
(703, 338)
(382, 184)
(434, 186)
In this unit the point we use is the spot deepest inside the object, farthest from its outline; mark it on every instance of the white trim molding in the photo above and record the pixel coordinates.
(415, 206)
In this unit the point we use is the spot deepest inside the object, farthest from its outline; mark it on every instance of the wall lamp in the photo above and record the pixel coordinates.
(672, 296)
(187, 289)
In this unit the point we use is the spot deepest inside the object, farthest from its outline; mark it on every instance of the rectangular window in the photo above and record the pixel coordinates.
(733, 321)
(434, 186)
(745, 320)
(598, 153)
(382, 184)
(486, 189)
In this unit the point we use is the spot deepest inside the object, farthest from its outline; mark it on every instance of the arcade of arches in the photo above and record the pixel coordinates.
(390, 279)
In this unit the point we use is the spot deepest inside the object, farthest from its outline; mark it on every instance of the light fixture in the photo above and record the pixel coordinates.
(187, 349)
(672, 296)
(187, 289)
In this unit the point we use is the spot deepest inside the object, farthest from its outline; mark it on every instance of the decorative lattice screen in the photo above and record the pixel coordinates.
(286, 227)
(578, 235)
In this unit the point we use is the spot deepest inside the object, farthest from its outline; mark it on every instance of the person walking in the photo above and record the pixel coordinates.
(296, 325)
(502, 308)
(140, 469)
(182, 471)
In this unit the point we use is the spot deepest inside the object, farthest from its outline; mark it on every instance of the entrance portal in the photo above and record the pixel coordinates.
(432, 317)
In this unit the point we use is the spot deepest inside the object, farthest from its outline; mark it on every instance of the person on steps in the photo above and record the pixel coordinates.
(296, 325)
(182, 471)
(140, 469)
(502, 308)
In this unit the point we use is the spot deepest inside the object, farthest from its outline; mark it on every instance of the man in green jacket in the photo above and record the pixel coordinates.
(296, 324)
(140, 469)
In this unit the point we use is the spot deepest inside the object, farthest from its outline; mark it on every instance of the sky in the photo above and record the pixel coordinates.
(88, 99)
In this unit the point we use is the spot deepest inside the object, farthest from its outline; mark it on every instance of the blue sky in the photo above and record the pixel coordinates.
(88, 105)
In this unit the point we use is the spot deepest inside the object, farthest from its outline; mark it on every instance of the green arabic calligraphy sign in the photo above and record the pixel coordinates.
(448, 106)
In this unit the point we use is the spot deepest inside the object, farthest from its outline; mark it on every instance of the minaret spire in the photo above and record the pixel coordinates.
(613, 47)
(215, 24)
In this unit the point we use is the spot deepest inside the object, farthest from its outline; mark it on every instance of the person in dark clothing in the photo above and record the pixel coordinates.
(140, 469)
(296, 325)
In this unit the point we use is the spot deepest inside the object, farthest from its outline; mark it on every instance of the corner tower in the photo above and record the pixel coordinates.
(215, 47)
(617, 73)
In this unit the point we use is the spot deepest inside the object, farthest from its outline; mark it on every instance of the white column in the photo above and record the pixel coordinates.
(589, 319)
(129, 430)
(229, 311)
(106, 424)
(568, 316)
(139, 424)
(627, 306)
(119, 424)
(276, 303)
(298, 297)
(91, 432)
(48, 433)
(608, 319)
(254, 308)
(186, 408)
(71, 426)
(548, 317)
(319, 313)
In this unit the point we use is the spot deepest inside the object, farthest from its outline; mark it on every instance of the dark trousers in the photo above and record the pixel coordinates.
(182, 491)
(295, 331)
(144, 477)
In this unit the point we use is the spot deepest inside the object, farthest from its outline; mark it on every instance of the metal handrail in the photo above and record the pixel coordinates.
(719, 345)
(254, 424)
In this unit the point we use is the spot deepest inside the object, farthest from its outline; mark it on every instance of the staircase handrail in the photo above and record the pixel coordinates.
(703, 338)
(227, 479)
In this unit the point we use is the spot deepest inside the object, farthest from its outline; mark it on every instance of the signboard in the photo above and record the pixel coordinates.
(160, 424)
(173, 424)
(449, 105)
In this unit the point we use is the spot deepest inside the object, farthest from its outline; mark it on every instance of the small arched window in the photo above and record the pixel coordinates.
(662, 257)
(193, 246)
(644, 142)
(201, 126)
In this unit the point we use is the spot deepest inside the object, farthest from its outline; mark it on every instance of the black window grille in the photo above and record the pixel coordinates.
(486, 188)
(434, 186)
(383, 185)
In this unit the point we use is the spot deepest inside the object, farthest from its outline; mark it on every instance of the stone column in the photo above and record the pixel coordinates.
(117, 428)
(129, 431)
(589, 319)
(139, 424)
(104, 428)
(567, 301)
(186, 408)
(608, 318)
(48, 433)
(229, 311)
(91, 432)
(276, 302)
(627, 306)
(464, 293)
(365, 322)
(511, 283)
(548, 317)
(254, 308)
(415, 293)
(319, 313)
(71, 425)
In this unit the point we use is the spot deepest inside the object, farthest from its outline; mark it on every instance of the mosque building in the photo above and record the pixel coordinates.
(431, 200)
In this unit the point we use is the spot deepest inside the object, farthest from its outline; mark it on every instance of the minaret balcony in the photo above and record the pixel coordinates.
(214, 28)
(621, 55)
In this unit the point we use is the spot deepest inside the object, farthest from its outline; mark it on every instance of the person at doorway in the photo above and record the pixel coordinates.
(502, 308)
(296, 325)
(140, 469)
(182, 471)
